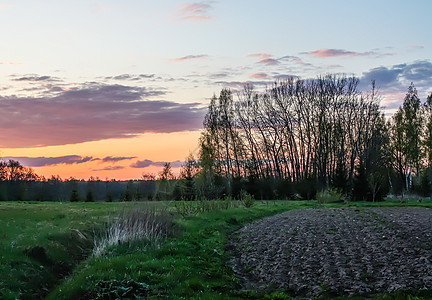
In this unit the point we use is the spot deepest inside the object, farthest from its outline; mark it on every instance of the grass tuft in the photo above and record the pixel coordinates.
(138, 224)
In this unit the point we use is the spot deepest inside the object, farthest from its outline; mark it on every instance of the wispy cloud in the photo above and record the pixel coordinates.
(50, 161)
(219, 75)
(326, 53)
(191, 57)
(239, 85)
(260, 55)
(34, 77)
(266, 59)
(258, 75)
(416, 47)
(110, 168)
(91, 112)
(116, 159)
(293, 59)
(147, 163)
(131, 77)
(269, 61)
(198, 11)
(284, 76)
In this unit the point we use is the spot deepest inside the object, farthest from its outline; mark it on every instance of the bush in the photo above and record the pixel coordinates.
(330, 196)
(187, 208)
(247, 199)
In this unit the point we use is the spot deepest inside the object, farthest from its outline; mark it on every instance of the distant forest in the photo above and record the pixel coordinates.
(293, 140)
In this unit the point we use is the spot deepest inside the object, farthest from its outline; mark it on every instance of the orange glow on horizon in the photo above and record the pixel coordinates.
(160, 147)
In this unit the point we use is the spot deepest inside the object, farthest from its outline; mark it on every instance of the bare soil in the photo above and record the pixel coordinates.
(336, 252)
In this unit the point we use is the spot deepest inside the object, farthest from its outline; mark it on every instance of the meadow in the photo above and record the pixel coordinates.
(46, 250)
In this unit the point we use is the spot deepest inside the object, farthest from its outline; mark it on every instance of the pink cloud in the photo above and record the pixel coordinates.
(65, 160)
(416, 46)
(190, 57)
(147, 163)
(193, 11)
(269, 61)
(50, 161)
(326, 53)
(91, 112)
(258, 75)
(260, 55)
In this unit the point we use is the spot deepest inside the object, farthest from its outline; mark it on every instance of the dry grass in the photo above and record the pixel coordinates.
(146, 224)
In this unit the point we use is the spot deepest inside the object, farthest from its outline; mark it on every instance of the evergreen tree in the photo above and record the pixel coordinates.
(186, 186)
(74, 197)
(340, 180)
(360, 184)
(128, 192)
(89, 196)
(164, 184)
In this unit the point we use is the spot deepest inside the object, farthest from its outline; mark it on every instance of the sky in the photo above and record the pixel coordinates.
(114, 89)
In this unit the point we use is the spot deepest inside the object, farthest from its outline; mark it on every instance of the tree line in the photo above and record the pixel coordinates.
(19, 183)
(303, 136)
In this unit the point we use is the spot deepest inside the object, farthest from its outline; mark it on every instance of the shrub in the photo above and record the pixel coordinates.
(330, 196)
(247, 199)
(187, 208)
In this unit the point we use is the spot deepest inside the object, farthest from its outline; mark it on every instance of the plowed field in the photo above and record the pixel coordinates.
(339, 251)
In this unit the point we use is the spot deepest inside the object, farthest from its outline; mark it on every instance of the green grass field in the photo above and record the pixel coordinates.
(45, 250)
(41, 243)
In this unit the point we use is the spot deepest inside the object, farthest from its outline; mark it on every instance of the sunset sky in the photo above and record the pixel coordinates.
(113, 89)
